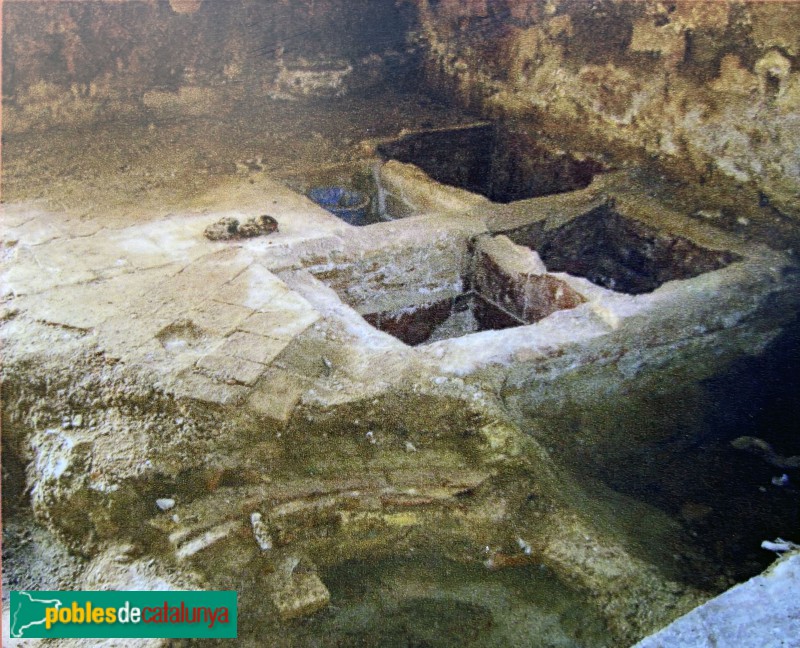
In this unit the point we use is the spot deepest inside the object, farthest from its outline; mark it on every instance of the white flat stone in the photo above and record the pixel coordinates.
(764, 612)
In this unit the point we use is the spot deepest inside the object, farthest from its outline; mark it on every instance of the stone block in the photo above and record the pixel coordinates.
(205, 389)
(218, 318)
(252, 347)
(277, 394)
(525, 295)
(229, 369)
(297, 591)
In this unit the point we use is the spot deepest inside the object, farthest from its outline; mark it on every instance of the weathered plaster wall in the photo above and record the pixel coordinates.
(707, 91)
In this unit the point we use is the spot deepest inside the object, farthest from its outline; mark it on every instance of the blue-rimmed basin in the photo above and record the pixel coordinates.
(351, 206)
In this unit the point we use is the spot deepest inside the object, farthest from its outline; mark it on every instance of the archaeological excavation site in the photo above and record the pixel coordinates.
(416, 323)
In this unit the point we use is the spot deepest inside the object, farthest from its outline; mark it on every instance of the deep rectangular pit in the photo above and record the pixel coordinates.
(492, 161)
(443, 319)
(428, 295)
(619, 253)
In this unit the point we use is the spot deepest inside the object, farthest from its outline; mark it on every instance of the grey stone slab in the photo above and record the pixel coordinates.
(227, 368)
(208, 390)
(277, 394)
(764, 612)
(250, 346)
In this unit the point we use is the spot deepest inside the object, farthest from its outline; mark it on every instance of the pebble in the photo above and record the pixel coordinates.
(165, 503)
(783, 480)
(260, 532)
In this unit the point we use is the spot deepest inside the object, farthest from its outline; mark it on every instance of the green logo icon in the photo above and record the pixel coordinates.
(106, 615)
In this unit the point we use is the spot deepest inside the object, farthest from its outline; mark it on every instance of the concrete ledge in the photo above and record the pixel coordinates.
(764, 612)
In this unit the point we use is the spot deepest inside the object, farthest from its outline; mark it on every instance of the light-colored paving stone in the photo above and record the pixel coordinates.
(124, 332)
(255, 348)
(229, 369)
(36, 231)
(217, 318)
(27, 276)
(199, 387)
(277, 394)
(254, 288)
(87, 305)
(284, 317)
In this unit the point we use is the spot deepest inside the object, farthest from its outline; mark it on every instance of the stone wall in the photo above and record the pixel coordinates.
(706, 91)
(78, 61)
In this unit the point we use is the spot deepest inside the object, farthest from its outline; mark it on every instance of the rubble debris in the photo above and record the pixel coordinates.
(783, 480)
(228, 228)
(779, 545)
(224, 228)
(202, 541)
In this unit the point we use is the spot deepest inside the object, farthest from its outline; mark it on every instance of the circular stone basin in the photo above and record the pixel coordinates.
(351, 206)
(424, 599)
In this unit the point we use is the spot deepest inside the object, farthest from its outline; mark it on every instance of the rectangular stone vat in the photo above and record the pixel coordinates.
(495, 284)
(619, 253)
(495, 162)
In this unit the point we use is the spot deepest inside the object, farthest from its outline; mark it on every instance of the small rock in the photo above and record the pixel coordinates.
(165, 503)
(297, 591)
(224, 229)
(328, 370)
(783, 480)
(708, 214)
(260, 531)
(229, 228)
